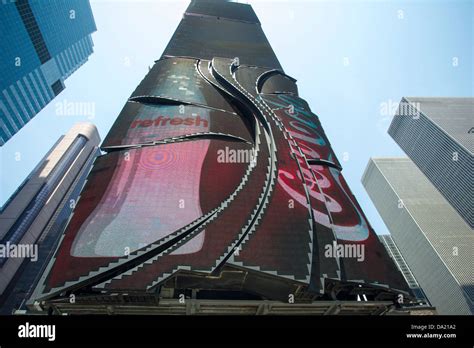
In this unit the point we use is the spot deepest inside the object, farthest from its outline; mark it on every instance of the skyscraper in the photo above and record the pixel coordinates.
(437, 244)
(397, 256)
(32, 220)
(438, 135)
(218, 182)
(43, 42)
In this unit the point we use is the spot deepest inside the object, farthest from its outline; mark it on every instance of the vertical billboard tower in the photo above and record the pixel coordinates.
(218, 178)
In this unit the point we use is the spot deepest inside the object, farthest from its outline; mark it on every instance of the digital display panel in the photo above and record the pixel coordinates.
(203, 171)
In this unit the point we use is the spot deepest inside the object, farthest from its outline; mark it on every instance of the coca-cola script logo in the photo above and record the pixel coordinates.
(323, 184)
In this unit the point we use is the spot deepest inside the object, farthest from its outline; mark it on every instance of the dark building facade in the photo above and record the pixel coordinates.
(218, 182)
(43, 43)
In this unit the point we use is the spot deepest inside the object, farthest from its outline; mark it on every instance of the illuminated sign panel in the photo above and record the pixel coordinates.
(211, 165)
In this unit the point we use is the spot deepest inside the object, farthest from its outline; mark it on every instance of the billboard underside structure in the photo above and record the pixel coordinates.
(217, 182)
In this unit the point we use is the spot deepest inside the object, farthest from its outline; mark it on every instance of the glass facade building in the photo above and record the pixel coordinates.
(43, 43)
(36, 214)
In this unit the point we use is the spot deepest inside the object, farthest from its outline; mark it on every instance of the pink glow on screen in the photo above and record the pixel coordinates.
(153, 192)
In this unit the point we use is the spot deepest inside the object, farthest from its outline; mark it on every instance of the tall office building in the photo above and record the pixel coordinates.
(32, 220)
(397, 256)
(438, 135)
(42, 42)
(218, 182)
(435, 241)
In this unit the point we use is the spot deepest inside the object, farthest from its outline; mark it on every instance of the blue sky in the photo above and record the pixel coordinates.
(353, 60)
